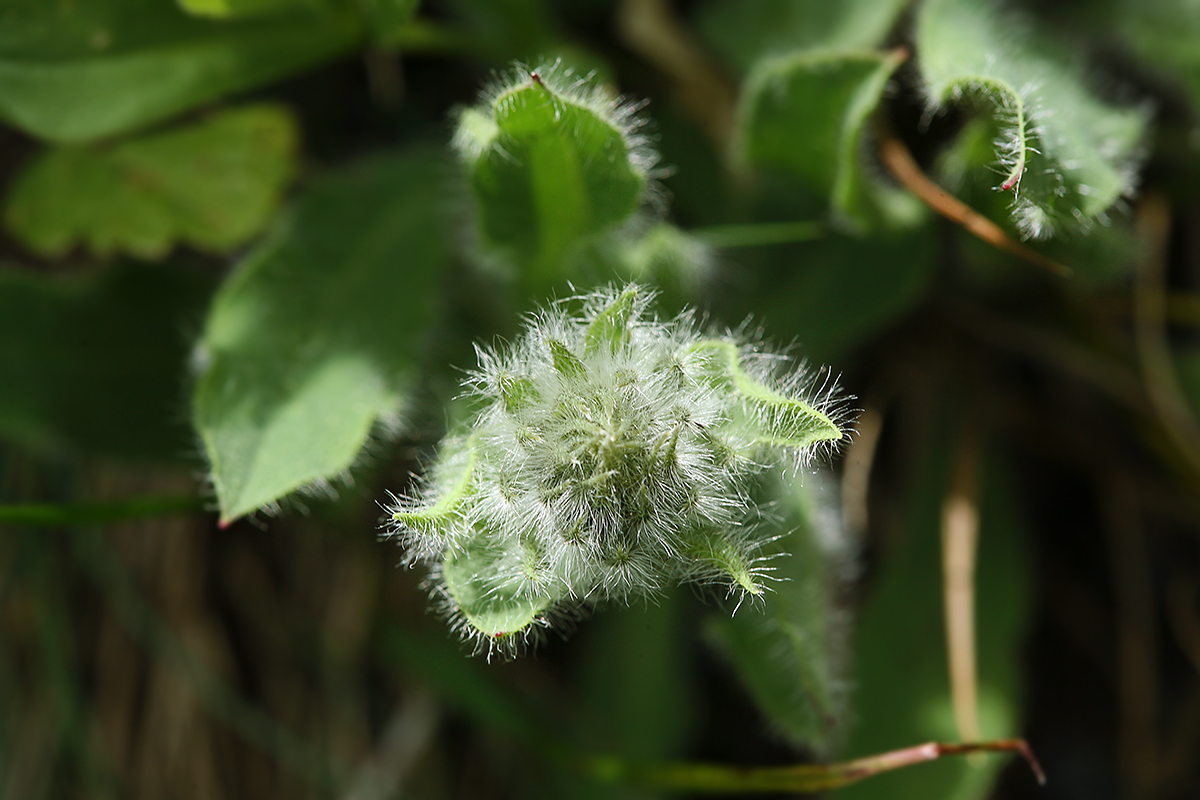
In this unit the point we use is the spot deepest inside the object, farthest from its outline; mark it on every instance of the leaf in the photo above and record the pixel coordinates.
(76, 71)
(902, 691)
(746, 32)
(1066, 155)
(214, 185)
(550, 163)
(780, 421)
(315, 337)
(787, 648)
(480, 579)
(804, 113)
(1096, 255)
(832, 295)
(1163, 33)
(94, 362)
(637, 689)
(222, 9)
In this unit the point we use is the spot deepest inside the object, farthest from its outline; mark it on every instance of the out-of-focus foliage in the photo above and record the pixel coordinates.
(314, 339)
(249, 245)
(213, 185)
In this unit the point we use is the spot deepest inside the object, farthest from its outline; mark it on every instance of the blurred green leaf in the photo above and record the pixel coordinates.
(1066, 155)
(901, 684)
(833, 294)
(213, 184)
(315, 337)
(86, 69)
(95, 363)
(805, 113)
(746, 32)
(388, 18)
(637, 689)
(243, 8)
(788, 648)
(508, 29)
(1164, 33)
(550, 163)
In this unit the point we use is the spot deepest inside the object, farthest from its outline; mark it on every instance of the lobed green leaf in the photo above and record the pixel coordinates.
(745, 33)
(213, 185)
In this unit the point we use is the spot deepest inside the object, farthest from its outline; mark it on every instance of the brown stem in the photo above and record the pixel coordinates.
(716, 778)
(900, 163)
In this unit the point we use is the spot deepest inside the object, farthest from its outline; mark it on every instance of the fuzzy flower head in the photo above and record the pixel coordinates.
(612, 456)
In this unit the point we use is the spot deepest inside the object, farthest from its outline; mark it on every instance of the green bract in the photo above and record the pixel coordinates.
(551, 160)
(612, 456)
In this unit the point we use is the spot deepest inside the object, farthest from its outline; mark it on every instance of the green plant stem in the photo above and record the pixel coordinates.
(68, 515)
(756, 235)
(722, 779)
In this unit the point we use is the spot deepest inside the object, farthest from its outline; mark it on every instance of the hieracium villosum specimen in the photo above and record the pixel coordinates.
(613, 455)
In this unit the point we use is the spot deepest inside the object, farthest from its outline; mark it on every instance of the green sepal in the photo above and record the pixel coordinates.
(777, 420)
(566, 362)
(485, 583)
(729, 557)
(610, 329)
(455, 471)
(516, 391)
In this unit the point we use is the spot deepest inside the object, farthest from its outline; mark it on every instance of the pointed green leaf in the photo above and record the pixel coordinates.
(838, 292)
(95, 362)
(787, 648)
(455, 470)
(1162, 32)
(637, 688)
(92, 68)
(1064, 154)
(550, 163)
(780, 421)
(212, 185)
(805, 114)
(314, 338)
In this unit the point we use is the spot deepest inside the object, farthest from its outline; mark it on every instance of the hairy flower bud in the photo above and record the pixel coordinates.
(612, 457)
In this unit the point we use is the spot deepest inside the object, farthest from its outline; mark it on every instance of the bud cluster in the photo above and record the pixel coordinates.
(612, 456)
